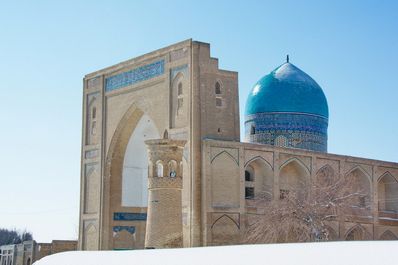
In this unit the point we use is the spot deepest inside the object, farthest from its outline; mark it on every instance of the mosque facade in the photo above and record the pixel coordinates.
(162, 164)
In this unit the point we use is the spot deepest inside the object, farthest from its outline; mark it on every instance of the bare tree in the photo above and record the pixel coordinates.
(303, 214)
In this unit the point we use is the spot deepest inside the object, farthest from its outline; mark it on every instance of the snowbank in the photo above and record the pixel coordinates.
(331, 253)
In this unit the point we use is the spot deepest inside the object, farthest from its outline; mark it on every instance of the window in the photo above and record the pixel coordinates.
(94, 114)
(172, 169)
(219, 102)
(180, 103)
(249, 193)
(253, 130)
(217, 88)
(179, 90)
(248, 176)
(94, 128)
(159, 167)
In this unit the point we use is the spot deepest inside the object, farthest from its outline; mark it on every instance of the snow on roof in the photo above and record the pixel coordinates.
(330, 253)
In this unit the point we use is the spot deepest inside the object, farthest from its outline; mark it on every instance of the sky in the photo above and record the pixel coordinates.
(46, 47)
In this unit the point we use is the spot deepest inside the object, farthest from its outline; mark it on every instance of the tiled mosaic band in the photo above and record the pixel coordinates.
(129, 216)
(134, 76)
(300, 130)
(119, 228)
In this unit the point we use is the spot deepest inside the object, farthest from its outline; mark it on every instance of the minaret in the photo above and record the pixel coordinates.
(164, 222)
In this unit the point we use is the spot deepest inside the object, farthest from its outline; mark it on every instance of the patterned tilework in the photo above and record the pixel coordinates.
(134, 76)
(130, 229)
(182, 68)
(301, 130)
(129, 216)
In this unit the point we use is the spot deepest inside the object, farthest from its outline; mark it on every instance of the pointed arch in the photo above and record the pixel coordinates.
(115, 165)
(227, 153)
(226, 216)
(361, 169)
(357, 232)
(388, 235)
(177, 98)
(297, 160)
(261, 180)
(387, 190)
(360, 183)
(325, 175)
(260, 158)
(225, 181)
(225, 230)
(293, 177)
(332, 235)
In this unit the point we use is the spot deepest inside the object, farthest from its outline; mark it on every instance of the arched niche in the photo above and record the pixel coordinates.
(293, 177)
(357, 232)
(225, 231)
(332, 235)
(225, 181)
(259, 176)
(387, 188)
(388, 235)
(135, 164)
(178, 106)
(325, 176)
(359, 185)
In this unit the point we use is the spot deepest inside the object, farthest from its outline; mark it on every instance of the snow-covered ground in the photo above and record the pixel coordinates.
(331, 253)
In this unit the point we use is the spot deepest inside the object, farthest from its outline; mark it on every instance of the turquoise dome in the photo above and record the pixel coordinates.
(287, 89)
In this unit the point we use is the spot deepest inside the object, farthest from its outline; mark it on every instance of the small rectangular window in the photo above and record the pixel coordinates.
(249, 193)
(218, 102)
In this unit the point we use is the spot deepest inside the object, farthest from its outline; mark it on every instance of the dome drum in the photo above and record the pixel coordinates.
(300, 130)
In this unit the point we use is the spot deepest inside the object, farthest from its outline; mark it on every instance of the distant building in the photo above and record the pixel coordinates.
(28, 252)
(200, 173)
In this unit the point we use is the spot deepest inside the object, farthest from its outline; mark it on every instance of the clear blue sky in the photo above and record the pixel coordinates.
(46, 47)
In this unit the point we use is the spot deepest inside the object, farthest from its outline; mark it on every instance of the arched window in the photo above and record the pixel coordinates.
(180, 98)
(217, 88)
(253, 130)
(249, 176)
(94, 128)
(159, 169)
(179, 93)
(94, 113)
(172, 169)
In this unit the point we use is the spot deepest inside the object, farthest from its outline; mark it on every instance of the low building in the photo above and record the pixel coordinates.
(28, 252)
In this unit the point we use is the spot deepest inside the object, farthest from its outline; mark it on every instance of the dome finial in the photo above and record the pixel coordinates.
(287, 58)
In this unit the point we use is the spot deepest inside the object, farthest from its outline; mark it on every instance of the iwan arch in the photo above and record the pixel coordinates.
(202, 174)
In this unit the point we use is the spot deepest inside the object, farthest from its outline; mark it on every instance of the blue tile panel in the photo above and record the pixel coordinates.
(129, 216)
(302, 131)
(119, 228)
(134, 76)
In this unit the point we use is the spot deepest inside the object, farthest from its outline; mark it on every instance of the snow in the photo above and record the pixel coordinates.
(330, 253)
(291, 72)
